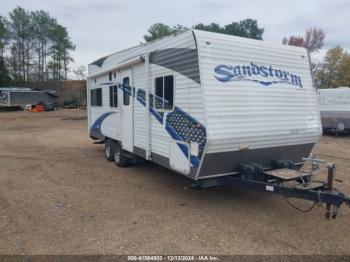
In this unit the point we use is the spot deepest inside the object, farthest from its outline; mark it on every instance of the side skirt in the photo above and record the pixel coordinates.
(162, 161)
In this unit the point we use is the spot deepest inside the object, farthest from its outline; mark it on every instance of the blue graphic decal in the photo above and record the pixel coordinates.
(180, 125)
(249, 72)
(141, 97)
(95, 130)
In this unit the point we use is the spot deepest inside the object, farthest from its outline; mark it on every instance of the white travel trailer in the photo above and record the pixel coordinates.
(203, 103)
(335, 108)
(218, 109)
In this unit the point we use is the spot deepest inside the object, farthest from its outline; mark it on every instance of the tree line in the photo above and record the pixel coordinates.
(33, 47)
(245, 28)
(334, 70)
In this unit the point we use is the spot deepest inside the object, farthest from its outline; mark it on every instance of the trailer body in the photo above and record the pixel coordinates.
(335, 108)
(203, 104)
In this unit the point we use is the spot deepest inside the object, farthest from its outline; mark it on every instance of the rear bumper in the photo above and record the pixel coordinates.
(225, 163)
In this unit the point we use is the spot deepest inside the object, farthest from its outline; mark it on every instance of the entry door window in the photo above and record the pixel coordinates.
(126, 91)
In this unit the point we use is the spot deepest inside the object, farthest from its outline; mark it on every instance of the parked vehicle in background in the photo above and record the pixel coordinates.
(11, 97)
(335, 109)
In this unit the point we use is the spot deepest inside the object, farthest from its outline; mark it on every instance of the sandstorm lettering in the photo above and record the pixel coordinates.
(226, 73)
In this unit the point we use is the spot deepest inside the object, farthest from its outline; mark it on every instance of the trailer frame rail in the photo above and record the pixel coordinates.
(323, 193)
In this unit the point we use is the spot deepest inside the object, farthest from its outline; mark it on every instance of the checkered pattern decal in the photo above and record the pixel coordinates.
(180, 125)
(189, 129)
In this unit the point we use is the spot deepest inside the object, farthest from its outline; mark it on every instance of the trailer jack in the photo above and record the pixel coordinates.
(274, 181)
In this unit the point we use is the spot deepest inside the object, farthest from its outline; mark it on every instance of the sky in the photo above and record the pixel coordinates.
(99, 28)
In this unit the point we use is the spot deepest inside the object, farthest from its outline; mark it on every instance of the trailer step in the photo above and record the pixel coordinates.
(310, 186)
(286, 174)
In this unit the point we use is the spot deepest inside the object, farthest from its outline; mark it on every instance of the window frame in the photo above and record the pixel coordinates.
(93, 97)
(99, 103)
(124, 92)
(113, 90)
(154, 96)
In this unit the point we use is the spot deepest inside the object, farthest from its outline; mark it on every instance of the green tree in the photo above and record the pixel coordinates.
(213, 27)
(3, 35)
(4, 74)
(5, 78)
(248, 28)
(43, 25)
(344, 70)
(160, 30)
(59, 50)
(21, 29)
(335, 70)
(35, 41)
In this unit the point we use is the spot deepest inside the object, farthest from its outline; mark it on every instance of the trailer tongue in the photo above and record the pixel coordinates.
(288, 182)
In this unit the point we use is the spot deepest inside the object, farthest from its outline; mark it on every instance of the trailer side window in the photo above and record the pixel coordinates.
(110, 76)
(113, 96)
(126, 91)
(96, 97)
(164, 93)
(99, 97)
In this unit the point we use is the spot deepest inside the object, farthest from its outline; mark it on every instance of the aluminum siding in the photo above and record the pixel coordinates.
(188, 95)
(187, 92)
(244, 113)
(111, 125)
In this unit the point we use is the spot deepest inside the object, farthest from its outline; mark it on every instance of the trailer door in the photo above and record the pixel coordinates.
(127, 110)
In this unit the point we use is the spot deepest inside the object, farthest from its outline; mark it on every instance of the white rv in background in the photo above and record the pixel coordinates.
(203, 104)
(335, 108)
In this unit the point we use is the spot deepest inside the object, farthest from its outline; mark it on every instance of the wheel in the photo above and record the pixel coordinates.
(119, 156)
(109, 149)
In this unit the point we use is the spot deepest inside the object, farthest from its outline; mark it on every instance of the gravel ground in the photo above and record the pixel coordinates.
(58, 195)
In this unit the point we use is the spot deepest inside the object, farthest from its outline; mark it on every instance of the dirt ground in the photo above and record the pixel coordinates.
(58, 195)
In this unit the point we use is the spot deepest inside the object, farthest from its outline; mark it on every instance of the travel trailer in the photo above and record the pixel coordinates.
(215, 102)
(218, 109)
(335, 109)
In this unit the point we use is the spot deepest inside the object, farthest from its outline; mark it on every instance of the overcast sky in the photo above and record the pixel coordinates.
(98, 28)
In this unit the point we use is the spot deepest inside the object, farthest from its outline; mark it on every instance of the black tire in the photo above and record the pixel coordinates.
(119, 156)
(109, 149)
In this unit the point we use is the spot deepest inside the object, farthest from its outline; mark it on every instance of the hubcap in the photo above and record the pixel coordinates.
(117, 155)
(340, 127)
(108, 150)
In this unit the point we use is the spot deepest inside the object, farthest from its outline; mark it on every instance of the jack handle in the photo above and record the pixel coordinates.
(330, 212)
